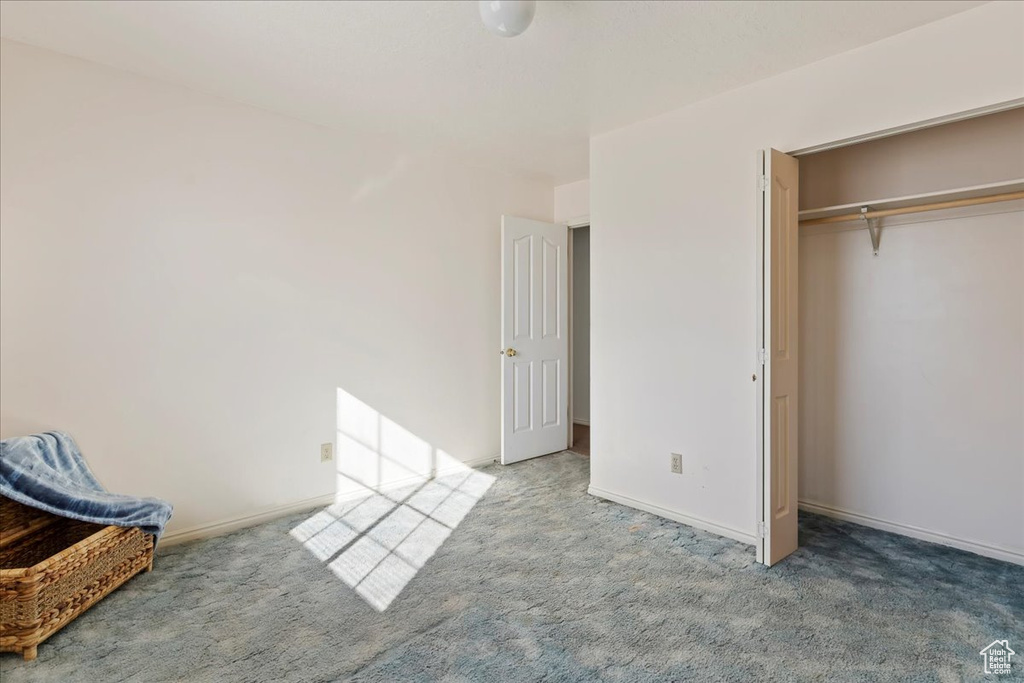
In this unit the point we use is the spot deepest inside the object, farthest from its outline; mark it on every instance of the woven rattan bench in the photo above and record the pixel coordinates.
(52, 569)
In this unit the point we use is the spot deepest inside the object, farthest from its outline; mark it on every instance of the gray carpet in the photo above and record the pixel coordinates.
(540, 581)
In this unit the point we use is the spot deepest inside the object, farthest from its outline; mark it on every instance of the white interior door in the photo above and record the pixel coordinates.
(534, 338)
(781, 248)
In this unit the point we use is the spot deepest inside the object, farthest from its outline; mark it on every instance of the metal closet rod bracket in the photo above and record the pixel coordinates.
(874, 228)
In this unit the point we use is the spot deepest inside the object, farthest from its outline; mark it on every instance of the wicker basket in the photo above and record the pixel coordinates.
(52, 569)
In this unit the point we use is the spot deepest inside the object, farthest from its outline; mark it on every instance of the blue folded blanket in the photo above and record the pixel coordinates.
(47, 471)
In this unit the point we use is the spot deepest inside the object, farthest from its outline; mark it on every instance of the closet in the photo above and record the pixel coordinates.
(910, 321)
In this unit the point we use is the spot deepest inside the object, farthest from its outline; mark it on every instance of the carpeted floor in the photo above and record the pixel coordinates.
(540, 581)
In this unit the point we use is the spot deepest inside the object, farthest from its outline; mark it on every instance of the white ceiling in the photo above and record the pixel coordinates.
(429, 73)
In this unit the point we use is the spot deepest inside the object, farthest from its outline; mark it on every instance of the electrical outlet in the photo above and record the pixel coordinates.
(677, 463)
(326, 452)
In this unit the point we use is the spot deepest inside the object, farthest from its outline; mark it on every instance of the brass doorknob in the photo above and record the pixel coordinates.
(509, 352)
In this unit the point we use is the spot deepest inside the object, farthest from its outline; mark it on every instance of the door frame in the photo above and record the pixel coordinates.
(579, 222)
(761, 453)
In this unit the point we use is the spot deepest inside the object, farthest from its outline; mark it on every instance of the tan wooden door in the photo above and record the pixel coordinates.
(781, 246)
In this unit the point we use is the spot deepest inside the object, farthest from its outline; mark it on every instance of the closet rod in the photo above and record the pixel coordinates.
(934, 206)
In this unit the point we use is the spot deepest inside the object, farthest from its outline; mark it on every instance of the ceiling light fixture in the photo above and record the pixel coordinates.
(507, 18)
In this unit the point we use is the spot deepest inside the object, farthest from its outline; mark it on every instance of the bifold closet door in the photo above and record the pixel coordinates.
(781, 249)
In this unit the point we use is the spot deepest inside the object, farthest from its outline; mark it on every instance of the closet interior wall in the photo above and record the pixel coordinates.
(912, 361)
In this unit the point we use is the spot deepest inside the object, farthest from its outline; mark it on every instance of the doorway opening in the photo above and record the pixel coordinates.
(890, 279)
(579, 338)
(540, 325)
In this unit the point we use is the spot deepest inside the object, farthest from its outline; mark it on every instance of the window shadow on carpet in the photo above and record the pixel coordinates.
(398, 499)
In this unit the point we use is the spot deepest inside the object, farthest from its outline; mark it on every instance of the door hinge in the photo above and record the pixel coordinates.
(762, 183)
(760, 530)
(762, 356)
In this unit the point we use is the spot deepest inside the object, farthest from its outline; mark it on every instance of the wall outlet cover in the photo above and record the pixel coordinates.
(677, 463)
(326, 452)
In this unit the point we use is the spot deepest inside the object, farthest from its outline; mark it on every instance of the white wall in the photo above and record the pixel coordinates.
(580, 324)
(188, 282)
(572, 202)
(673, 252)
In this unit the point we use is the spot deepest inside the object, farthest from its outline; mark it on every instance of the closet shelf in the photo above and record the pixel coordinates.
(852, 212)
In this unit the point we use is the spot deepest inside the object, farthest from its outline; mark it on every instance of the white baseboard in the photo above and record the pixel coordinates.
(479, 462)
(977, 547)
(689, 520)
(578, 421)
(226, 526)
(413, 480)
